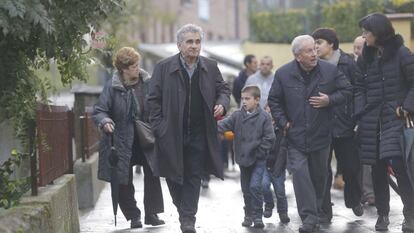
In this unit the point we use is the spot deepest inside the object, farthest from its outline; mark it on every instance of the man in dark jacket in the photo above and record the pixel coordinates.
(343, 143)
(187, 92)
(301, 99)
(250, 62)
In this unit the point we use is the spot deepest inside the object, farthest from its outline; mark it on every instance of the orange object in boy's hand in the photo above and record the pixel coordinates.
(229, 135)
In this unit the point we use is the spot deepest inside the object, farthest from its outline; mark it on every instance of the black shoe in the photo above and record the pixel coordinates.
(153, 219)
(408, 225)
(136, 223)
(258, 223)
(187, 228)
(284, 218)
(308, 228)
(247, 222)
(358, 210)
(382, 223)
(267, 213)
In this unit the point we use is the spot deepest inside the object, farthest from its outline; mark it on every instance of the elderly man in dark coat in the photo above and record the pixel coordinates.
(301, 99)
(187, 92)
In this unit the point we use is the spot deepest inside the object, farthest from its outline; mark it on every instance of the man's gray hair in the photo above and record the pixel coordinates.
(297, 43)
(189, 28)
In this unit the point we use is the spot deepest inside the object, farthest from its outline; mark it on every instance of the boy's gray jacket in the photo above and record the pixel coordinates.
(253, 135)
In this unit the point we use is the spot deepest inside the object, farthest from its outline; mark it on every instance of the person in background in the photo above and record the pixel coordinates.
(187, 93)
(250, 62)
(368, 196)
(301, 100)
(343, 142)
(121, 102)
(384, 91)
(253, 140)
(264, 79)
(358, 46)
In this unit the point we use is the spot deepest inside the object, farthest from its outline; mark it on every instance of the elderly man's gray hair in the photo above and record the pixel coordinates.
(189, 28)
(297, 43)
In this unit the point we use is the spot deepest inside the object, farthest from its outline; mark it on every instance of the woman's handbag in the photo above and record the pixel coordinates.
(145, 136)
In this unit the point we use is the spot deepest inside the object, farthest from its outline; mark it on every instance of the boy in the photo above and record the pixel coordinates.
(253, 140)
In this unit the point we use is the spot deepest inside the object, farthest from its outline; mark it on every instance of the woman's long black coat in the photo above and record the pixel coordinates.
(384, 83)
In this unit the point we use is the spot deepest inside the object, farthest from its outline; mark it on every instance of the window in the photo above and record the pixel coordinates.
(204, 9)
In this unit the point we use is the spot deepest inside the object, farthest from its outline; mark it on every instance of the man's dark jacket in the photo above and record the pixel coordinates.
(344, 124)
(311, 128)
(238, 85)
(166, 100)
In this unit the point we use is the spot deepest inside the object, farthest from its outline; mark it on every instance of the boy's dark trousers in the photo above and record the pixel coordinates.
(251, 184)
(347, 155)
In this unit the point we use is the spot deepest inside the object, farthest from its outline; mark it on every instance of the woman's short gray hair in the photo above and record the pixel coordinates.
(297, 43)
(189, 28)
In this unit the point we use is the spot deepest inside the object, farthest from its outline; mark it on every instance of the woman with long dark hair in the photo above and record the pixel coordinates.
(384, 89)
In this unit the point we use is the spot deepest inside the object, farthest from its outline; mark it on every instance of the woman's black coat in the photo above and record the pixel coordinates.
(383, 83)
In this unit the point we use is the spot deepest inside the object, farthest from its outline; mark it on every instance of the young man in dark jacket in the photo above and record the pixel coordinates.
(250, 62)
(301, 99)
(343, 143)
(254, 137)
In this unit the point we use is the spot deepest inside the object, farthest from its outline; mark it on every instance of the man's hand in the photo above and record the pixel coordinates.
(108, 128)
(286, 128)
(218, 110)
(319, 101)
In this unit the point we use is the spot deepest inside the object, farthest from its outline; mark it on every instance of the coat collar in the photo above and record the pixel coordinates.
(117, 83)
(175, 63)
(391, 47)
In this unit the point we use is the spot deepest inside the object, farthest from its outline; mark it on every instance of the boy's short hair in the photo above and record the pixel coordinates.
(252, 89)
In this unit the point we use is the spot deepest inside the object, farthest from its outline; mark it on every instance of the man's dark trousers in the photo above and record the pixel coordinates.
(346, 154)
(185, 196)
(309, 174)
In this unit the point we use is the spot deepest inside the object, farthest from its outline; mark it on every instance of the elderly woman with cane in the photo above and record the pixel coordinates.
(120, 105)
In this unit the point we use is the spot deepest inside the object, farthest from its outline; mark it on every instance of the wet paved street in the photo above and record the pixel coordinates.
(221, 211)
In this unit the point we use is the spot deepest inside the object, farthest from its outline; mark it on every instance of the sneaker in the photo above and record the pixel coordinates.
(136, 223)
(258, 223)
(382, 223)
(358, 210)
(308, 228)
(284, 218)
(153, 219)
(267, 213)
(408, 225)
(247, 222)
